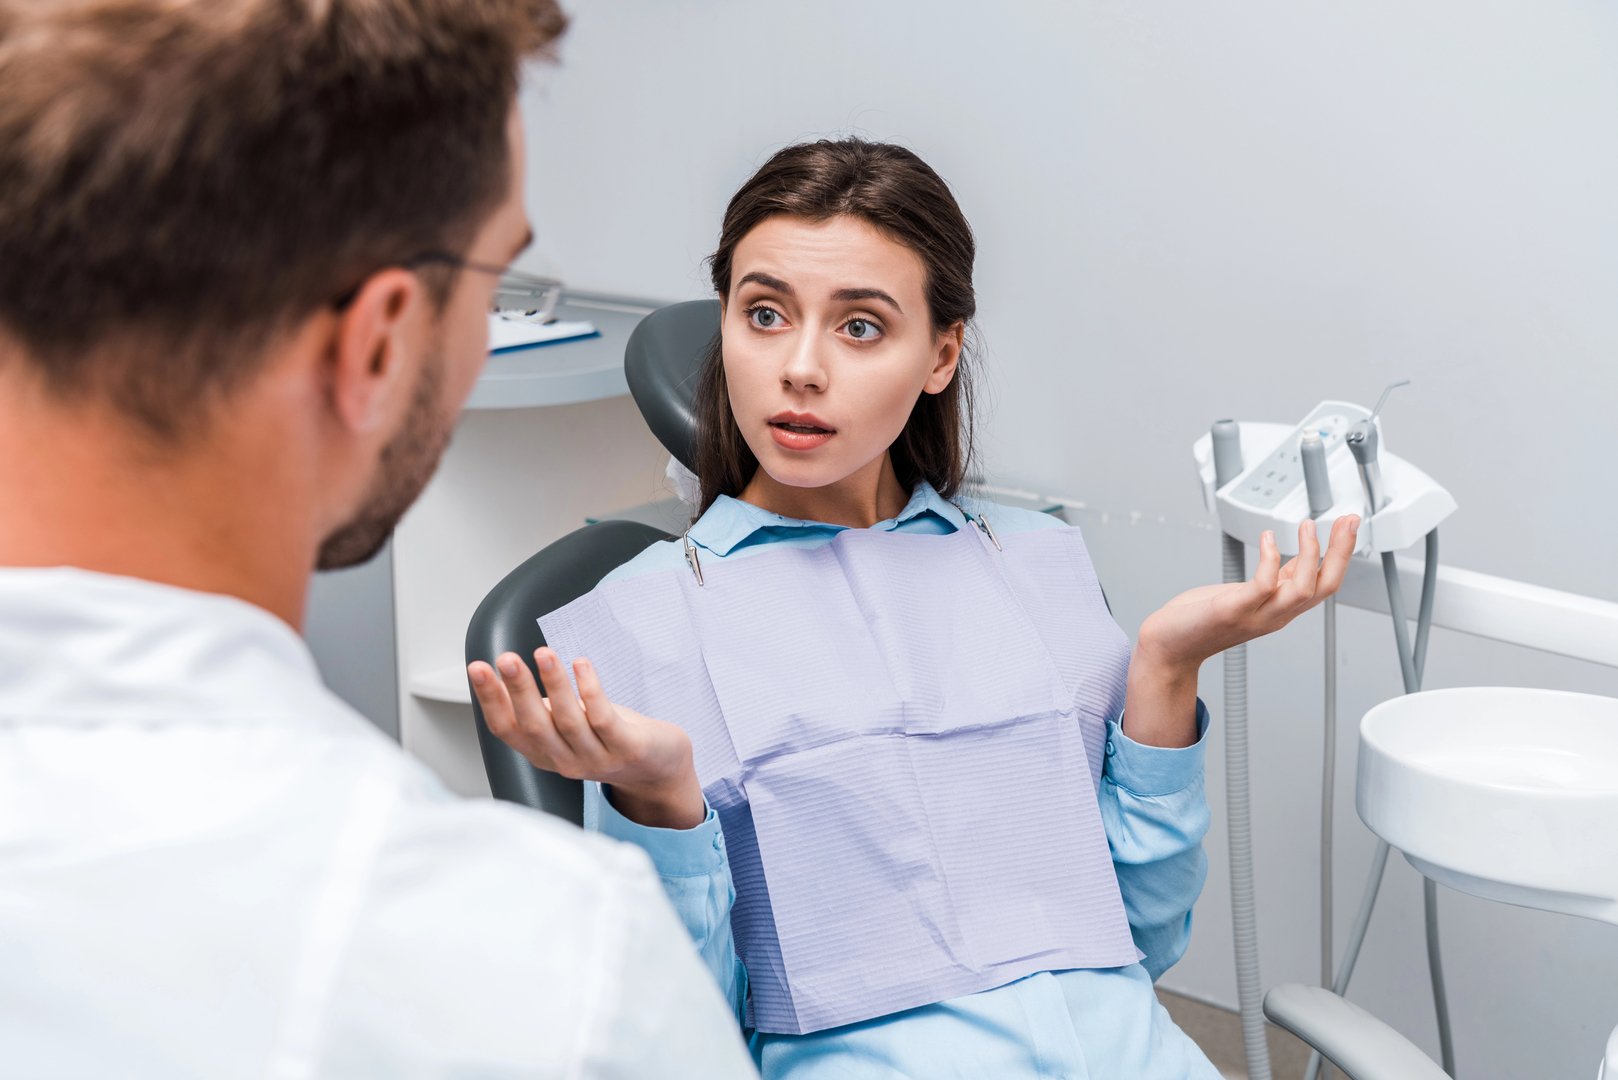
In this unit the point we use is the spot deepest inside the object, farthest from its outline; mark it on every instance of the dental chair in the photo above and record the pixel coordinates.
(661, 363)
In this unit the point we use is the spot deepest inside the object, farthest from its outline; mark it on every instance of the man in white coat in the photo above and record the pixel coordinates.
(246, 252)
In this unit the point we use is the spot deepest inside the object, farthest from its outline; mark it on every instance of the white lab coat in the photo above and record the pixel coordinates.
(212, 867)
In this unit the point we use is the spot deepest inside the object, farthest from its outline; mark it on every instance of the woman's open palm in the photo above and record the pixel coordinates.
(1208, 620)
(585, 736)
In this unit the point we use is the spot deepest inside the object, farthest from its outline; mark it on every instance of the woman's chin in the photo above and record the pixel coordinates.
(801, 473)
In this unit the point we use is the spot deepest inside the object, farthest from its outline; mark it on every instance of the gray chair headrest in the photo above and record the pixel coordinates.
(662, 363)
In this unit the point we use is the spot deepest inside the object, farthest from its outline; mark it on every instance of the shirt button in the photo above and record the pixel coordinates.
(1110, 749)
(717, 844)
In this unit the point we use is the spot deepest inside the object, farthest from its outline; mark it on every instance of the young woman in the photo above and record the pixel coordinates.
(872, 730)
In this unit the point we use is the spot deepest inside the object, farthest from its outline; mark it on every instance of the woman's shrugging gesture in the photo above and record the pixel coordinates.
(1203, 622)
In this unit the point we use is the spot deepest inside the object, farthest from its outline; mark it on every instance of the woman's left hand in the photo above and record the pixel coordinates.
(1208, 620)
(1203, 622)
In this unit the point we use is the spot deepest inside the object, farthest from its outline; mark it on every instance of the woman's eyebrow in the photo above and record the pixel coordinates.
(768, 282)
(867, 294)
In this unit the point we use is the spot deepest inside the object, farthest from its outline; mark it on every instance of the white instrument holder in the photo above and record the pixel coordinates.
(1269, 492)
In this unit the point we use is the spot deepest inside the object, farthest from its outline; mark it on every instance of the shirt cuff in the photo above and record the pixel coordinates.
(1155, 770)
(694, 852)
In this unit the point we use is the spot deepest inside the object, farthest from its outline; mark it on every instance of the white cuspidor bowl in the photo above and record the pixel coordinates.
(1505, 793)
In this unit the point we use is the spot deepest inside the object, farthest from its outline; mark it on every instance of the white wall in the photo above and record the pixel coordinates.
(1188, 211)
(348, 624)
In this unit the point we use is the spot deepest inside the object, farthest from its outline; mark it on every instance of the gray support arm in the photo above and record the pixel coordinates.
(1359, 1044)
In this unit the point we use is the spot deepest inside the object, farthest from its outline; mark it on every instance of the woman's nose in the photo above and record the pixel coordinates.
(805, 367)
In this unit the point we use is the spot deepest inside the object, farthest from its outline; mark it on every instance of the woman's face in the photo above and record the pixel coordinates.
(827, 345)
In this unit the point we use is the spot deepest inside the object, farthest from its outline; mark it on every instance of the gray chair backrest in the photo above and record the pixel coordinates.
(661, 362)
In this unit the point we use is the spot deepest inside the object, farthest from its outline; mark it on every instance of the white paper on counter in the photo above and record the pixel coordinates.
(507, 333)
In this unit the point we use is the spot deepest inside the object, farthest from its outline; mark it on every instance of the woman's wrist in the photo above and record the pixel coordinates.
(1161, 703)
(676, 803)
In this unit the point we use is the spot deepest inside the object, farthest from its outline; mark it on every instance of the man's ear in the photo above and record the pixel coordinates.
(375, 349)
(946, 358)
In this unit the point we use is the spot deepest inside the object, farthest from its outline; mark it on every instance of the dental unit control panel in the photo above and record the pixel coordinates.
(1271, 492)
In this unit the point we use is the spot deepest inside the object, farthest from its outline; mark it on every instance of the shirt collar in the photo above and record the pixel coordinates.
(731, 523)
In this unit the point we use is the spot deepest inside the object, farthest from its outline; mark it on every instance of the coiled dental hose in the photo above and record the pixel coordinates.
(1244, 919)
(1227, 455)
(1412, 665)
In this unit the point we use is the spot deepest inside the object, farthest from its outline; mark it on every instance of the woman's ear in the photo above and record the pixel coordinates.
(946, 357)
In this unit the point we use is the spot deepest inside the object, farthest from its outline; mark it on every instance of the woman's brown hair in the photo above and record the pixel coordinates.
(893, 190)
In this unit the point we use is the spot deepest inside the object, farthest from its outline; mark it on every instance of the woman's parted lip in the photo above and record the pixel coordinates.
(801, 422)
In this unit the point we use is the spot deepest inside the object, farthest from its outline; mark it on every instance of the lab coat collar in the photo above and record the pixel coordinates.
(75, 643)
(731, 523)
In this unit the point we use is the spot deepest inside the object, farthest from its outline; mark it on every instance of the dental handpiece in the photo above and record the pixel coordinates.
(1362, 441)
(1316, 481)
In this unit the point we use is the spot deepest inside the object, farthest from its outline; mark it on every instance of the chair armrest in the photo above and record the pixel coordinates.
(1359, 1044)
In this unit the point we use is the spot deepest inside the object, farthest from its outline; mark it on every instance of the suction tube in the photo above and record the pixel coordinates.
(1435, 960)
(1328, 793)
(1317, 484)
(1412, 665)
(1227, 449)
(1356, 937)
(1412, 662)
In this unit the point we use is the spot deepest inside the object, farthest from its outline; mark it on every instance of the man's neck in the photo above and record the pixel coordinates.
(81, 485)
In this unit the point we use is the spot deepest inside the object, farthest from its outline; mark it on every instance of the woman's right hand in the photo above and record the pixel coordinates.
(647, 762)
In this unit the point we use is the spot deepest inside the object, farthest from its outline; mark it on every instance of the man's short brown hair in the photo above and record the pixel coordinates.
(180, 178)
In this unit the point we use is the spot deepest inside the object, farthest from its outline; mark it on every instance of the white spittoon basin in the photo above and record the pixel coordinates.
(1506, 793)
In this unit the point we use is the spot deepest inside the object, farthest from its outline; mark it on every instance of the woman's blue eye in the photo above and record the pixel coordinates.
(860, 329)
(764, 318)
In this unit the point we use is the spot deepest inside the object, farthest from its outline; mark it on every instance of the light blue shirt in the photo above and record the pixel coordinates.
(1092, 1024)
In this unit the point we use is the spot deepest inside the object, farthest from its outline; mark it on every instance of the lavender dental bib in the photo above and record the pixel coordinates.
(902, 735)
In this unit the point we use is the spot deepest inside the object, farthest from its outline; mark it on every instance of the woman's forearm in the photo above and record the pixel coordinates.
(695, 871)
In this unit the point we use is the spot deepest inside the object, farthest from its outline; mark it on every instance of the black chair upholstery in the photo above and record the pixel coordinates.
(661, 362)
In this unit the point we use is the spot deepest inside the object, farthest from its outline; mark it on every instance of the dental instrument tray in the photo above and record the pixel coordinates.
(1269, 493)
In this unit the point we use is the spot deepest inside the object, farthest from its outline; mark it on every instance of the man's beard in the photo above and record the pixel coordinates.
(407, 462)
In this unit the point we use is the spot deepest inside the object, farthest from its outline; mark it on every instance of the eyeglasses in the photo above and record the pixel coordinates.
(519, 296)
